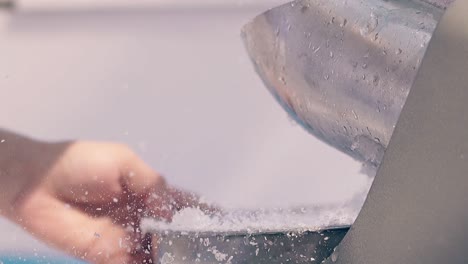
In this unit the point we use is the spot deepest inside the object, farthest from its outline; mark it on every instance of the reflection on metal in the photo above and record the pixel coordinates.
(241, 248)
(343, 69)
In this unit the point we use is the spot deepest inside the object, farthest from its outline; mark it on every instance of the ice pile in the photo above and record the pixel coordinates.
(252, 221)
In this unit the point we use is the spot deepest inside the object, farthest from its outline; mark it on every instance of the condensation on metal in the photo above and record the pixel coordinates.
(343, 68)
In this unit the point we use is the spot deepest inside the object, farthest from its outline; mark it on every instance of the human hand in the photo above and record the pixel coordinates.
(87, 198)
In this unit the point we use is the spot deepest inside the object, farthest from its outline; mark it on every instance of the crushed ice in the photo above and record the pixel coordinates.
(266, 220)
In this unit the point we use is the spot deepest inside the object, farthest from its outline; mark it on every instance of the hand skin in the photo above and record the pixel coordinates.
(85, 198)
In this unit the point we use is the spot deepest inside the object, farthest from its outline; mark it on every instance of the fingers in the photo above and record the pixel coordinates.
(162, 200)
(95, 173)
(163, 204)
(97, 240)
(141, 180)
(87, 172)
(139, 177)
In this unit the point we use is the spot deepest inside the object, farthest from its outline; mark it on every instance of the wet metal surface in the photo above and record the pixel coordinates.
(343, 69)
(258, 248)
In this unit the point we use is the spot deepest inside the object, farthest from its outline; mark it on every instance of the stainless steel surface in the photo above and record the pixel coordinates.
(258, 248)
(417, 209)
(440, 3)
(344, 68)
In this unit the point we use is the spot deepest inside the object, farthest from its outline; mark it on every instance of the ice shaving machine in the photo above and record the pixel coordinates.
(385, 81)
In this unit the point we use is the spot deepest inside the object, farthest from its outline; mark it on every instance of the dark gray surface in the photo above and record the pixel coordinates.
(417, 209)
(243, 248)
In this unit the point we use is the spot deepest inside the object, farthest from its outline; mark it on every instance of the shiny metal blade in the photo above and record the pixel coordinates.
(343, 68)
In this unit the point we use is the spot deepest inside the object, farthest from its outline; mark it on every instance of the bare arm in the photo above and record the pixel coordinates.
(20, 167)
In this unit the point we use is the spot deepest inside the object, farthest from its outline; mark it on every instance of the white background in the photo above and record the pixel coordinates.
(172, 80)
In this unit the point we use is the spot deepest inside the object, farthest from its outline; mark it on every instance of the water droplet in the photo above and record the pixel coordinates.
(289, 27)
(364, 66)
(282, 80)
(343, 24)
(167, 258)
(398, 51)
(371, 25)
(331, 54)
(376, 80)
(355, 115)
(334, 256)
(326, 77)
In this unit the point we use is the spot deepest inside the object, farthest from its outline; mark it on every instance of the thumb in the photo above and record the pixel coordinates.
(139, 178)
